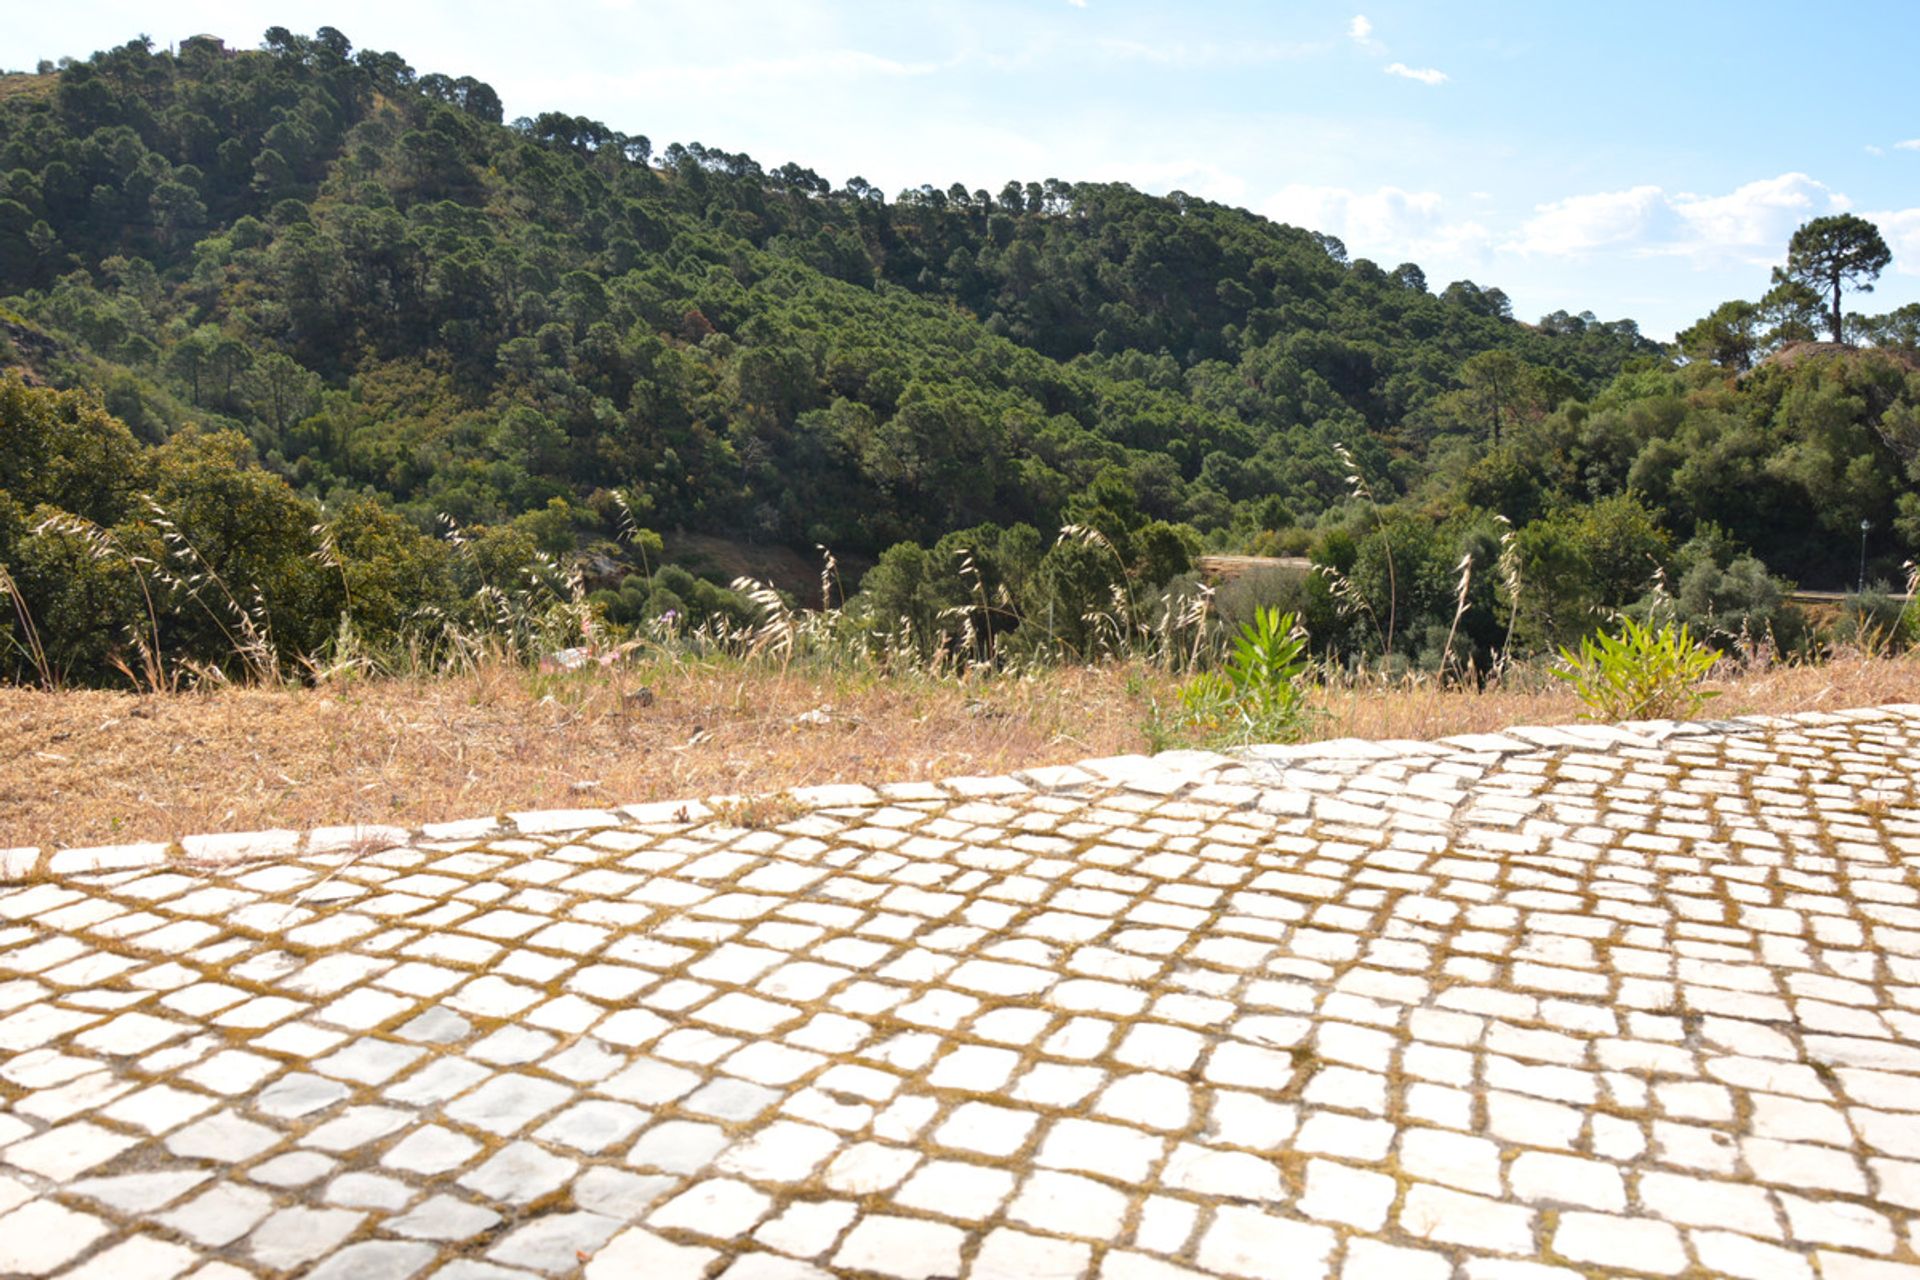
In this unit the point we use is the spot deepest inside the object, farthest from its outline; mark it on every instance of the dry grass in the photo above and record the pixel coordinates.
(84, 767)
(1431, 712)
(24, 84)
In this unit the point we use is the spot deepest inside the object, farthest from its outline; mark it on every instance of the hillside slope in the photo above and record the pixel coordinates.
(364, 368)
(392, 291)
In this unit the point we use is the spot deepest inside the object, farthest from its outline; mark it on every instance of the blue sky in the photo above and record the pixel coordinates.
(1633, 159)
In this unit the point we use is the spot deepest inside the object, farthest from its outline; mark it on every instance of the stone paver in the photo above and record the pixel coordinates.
(1637, 1000)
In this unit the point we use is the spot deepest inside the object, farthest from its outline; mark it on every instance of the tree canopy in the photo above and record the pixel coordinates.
(1827, 255)
(392, 293)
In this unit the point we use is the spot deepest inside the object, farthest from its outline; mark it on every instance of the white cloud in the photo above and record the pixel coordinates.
(1078, 4)
(1750, 224)
(1756, 218)
(1579, 224)
(1425, 75)
(1388, 213)
(1900, 228)
(1195, 177)
(1387, 223)
(1911, 144)
(1360, 29)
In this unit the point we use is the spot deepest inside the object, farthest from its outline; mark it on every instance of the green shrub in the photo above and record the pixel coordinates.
(1875, 619)
(1642, 673)
(1244, 594)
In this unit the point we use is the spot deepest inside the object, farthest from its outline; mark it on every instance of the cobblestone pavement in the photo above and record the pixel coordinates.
(1553, 1003)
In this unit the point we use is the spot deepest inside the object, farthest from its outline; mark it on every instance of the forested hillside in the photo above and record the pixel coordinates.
(408, 310)
(394, 292)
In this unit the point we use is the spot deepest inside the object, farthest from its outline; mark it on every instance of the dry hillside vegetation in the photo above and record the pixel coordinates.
(90, 767)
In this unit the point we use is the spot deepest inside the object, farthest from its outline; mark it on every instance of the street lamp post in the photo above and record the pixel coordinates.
(1864, 526)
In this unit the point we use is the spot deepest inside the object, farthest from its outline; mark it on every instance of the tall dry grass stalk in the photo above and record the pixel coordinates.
(1512, 585)
(778, 631)
(104, 547)
(1119, 623)
(1357, 483)
(630, 533)
(30, 634)
(1465, 568)
(1911, 614)
(253, 645)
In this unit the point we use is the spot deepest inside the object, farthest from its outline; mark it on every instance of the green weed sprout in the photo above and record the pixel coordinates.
(1257, 695)
(1644, 673)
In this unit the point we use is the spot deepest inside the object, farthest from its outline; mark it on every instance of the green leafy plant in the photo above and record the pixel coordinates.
(1268, 659)
(1644, 672)
(1910, 619)
(1257, 695)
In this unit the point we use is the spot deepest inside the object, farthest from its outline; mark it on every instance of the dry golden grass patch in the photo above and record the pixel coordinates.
(89, 767)
(21, 84)
(1429, 711)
